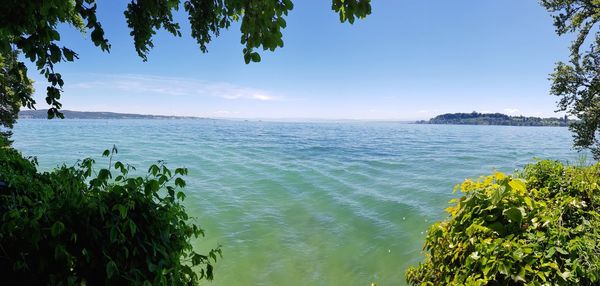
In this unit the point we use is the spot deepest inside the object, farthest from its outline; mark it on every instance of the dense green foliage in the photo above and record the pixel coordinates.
(31, 27)
(82, 226)
(540, 226)
(16, 90)
(476, 118)
(577, 82)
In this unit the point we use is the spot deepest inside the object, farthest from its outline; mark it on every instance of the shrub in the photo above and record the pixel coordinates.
(76, 226)
(540, 226)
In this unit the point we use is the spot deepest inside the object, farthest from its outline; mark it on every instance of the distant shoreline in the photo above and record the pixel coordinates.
(70, 114)
(491, 119)
(101, 115)
(496, 119)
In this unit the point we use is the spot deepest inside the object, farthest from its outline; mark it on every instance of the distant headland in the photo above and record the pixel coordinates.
(475, 118)
(69, 114)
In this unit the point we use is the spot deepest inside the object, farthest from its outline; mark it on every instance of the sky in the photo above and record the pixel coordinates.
(408, 60)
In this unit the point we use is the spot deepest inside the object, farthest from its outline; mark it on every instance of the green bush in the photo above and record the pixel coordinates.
(540, 226)
(76, 226)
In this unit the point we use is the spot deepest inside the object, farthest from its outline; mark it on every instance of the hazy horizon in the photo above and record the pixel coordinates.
(284, 119)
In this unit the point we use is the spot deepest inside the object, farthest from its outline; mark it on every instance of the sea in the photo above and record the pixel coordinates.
(306, 203)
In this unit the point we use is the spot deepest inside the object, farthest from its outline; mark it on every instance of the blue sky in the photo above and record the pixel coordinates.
(410, 59)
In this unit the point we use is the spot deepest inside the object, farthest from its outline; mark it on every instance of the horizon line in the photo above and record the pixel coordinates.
(281, 118)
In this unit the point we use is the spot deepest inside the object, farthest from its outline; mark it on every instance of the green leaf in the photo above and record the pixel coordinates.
(181, 171)
(180, 182)
(111, 269)
(518, 185)
(498, 194)
(255, 57)
(550, 252)
(503, 268)
(514, 214)
(60, 252)
(154, 170)
(57, 228)
(55, 53)
(122, 210)
(104, 174)
(69, 54)
(520, 276)
(114, 233)
(132, 228)
(528, 202)
(561, 250)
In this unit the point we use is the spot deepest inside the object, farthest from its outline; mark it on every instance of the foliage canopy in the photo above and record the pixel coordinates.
(83, 226)
(31, 27)
(577, 82)
(538, 227)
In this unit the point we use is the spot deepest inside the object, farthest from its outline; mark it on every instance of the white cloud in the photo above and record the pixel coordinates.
(511, 110)
(173, 86)
(429, 111)
(223, 113)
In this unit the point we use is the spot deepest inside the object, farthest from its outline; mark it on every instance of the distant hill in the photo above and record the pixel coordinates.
(69, 114)
(475, 118)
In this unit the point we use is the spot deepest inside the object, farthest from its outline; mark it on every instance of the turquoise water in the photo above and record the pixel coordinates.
(306, 203)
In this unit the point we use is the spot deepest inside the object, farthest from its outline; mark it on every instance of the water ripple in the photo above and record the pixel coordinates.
(306, 203)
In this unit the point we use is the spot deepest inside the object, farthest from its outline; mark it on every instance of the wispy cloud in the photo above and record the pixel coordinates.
(511, 110)
(173, 86)
(223, 113)
(428, 111)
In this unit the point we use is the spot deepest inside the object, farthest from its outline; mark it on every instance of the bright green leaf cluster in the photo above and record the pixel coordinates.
(349, 10)
(82, 226)
(538, 227)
